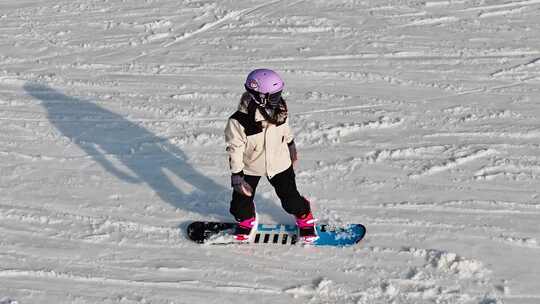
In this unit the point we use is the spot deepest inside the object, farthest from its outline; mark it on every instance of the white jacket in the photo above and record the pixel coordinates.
(256, 146)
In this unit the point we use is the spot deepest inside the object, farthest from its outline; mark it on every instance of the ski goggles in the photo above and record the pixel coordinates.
(272, 100)
(266, 99)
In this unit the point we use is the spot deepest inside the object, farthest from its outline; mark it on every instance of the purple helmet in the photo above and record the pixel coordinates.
(265, 86)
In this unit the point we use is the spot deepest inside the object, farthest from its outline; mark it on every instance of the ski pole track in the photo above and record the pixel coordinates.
(453, 162)
(181, 284)
(433, 159)
(98, 228)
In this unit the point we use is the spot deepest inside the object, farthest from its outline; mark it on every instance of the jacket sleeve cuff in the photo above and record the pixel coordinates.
(240, 173)
(290, 143)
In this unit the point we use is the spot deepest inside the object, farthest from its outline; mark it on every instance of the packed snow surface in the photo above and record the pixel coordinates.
(419, 119)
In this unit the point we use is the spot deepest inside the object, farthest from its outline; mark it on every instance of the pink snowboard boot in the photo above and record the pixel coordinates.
(243, 229)
(306, 228)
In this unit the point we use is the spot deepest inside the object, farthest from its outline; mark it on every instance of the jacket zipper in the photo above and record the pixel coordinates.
(265, 152)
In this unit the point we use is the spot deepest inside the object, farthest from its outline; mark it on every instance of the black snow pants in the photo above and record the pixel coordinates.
(243, 207)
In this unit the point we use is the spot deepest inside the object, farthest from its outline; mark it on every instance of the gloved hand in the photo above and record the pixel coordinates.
(292, 152)
(240, 185)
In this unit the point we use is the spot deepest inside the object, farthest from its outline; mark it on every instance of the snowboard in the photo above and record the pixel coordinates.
(275, 234)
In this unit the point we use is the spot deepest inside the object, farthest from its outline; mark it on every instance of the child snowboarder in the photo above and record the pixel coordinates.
(260, 143)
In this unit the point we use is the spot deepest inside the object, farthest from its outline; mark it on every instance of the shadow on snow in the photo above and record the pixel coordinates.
(103, 135)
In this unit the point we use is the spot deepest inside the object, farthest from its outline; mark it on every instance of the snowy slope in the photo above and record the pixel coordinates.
(418, 119)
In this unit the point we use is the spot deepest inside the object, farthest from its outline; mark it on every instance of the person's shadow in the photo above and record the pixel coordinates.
(112, 140)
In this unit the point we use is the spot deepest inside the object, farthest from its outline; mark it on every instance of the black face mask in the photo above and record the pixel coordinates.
(277, 115)
(272, 100)
(267, 100)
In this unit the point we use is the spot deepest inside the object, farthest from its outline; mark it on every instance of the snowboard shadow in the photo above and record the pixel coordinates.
(133, 154)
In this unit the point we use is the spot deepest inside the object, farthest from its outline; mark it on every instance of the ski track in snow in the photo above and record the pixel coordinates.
(418, 119)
